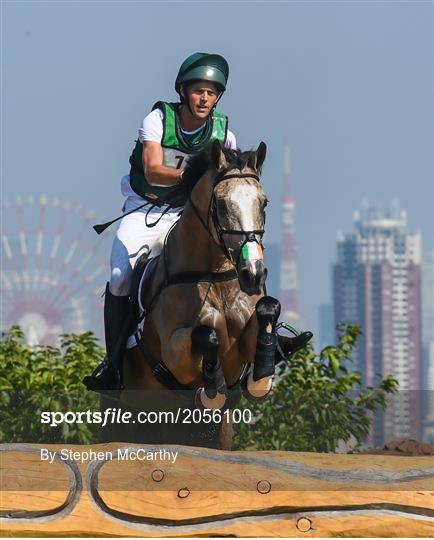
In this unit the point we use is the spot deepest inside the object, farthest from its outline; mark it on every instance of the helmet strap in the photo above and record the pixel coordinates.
(188, 105)
(185, 100)
(218, 99)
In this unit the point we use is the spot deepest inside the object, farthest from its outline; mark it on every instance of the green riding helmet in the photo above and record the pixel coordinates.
(205, 67)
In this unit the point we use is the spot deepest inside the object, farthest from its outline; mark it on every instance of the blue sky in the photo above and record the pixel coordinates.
(349, 85)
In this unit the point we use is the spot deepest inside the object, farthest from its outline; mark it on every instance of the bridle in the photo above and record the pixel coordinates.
(249, 236)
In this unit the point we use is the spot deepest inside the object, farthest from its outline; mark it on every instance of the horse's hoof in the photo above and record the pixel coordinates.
(203, 401)
(251, 397)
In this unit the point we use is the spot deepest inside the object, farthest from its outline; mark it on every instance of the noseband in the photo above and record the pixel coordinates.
(249, 236)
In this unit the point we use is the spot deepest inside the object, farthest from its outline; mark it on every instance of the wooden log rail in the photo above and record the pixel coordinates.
(212, 493)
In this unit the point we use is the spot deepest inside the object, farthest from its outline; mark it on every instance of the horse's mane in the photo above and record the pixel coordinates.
(198, 164)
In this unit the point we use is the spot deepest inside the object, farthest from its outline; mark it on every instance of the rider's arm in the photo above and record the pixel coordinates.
(156, 173)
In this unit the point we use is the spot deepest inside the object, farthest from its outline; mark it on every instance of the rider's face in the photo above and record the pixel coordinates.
(202, 97)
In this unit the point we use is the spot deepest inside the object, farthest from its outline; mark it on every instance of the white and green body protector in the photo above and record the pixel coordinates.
(177, 147)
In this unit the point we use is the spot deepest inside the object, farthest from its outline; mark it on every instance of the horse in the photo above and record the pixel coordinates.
(209, 328)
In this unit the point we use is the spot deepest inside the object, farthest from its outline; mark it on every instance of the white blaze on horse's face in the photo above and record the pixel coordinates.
(240, 211)
(245, 199)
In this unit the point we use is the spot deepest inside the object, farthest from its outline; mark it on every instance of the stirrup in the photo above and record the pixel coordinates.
(301, 339)
(104, 378)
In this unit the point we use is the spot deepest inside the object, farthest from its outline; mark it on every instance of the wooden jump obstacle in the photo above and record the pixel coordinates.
(213, 493)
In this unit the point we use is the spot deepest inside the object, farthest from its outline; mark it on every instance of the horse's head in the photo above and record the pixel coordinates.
(238, 213)
(226, 194)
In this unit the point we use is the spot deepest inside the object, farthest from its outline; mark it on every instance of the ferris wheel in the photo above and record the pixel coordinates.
(53, 269)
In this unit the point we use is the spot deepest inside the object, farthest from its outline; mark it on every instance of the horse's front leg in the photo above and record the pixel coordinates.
(204, 340)
(183, 353)
(259, 379)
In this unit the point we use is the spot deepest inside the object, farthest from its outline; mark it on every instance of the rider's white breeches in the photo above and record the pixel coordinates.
(133, 237)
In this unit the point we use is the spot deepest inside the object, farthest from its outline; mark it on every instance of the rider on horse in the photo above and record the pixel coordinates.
(167, 137)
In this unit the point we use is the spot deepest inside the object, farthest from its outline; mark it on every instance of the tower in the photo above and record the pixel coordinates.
(288, 266)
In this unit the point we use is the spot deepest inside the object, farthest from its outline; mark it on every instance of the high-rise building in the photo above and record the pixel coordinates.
(377, 284)
(428, 419)
(428, 297)
(288, 267)
(428, 346)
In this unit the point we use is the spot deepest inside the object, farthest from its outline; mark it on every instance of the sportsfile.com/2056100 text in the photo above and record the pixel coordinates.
(114, 415)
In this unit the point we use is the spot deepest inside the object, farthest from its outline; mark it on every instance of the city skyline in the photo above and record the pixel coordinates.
(273, 252)
(348, 85)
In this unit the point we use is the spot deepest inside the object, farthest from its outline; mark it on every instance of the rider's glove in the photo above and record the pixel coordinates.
(187, 179)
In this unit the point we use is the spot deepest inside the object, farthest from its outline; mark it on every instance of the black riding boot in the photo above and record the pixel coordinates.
(108, 375)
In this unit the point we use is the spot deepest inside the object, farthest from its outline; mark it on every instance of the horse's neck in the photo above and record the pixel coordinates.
(191, 245)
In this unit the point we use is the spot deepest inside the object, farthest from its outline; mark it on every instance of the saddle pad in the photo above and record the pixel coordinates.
(151, 264)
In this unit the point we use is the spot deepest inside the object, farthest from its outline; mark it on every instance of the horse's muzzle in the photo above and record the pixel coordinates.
(251, 276)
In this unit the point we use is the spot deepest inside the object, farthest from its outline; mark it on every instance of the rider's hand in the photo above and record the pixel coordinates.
(187, 180)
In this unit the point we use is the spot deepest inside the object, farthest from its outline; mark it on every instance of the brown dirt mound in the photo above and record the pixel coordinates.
(405, 447)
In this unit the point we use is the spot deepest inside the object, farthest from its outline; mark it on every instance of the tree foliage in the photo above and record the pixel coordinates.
(42, 378)
(317, 401)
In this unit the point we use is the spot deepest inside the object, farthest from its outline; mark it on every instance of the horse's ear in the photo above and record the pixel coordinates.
(217, 156)
(261, 152)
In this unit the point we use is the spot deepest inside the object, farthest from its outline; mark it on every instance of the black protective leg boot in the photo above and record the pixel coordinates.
(108, 375)
(267, 314)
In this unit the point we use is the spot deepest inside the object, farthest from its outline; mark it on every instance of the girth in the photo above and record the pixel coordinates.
(196, 276)
(200, 275)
